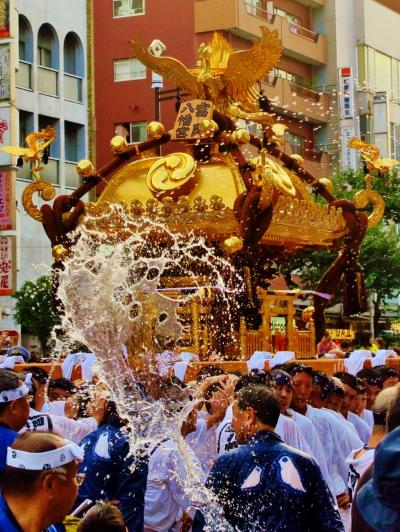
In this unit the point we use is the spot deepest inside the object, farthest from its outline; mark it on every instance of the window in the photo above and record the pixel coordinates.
(292, 19)
(395, 140)
(138, 131)
(74, 141)
(296, 142)
(47, 47)
(132, 131)
(126, 69)
(128, 8)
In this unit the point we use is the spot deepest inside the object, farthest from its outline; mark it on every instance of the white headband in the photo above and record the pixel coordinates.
(11, 395)
(47, 460)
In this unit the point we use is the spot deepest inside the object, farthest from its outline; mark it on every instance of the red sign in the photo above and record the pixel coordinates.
(6, 270)
(5, 201)
(4, 18)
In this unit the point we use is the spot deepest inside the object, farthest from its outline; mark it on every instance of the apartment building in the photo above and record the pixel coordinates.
(43, 82)
(362, 75)
(125, 101)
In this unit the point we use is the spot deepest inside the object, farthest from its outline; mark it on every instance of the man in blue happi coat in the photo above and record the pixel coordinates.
(111, 472)
(265, 485)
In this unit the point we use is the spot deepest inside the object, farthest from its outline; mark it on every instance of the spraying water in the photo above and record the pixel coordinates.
(113, 302)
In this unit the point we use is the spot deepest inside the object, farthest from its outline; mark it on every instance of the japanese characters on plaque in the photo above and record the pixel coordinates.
(347, 92)
(6, 265)
(187, 123)
(4, 72)
(6, 217)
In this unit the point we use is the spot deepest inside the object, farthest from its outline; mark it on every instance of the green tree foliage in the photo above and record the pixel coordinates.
(33, 309)
(380, 251)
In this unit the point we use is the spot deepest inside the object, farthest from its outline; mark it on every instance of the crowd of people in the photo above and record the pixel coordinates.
(289, 449)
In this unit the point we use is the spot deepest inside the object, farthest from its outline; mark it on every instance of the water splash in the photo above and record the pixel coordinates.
(111, 303)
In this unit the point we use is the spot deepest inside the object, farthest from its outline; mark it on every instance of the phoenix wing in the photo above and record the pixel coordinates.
(169, 68)
(18, 152)
(247, 67)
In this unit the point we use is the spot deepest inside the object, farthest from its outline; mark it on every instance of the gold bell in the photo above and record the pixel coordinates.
(233, 244)
(85, 168)
(327, 183)
(59, 252)
(118, 144)
(155, 130)
(240, 136)
(208, 128)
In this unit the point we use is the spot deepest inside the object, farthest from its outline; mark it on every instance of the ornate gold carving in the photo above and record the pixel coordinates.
(47, 191)
(221, 71)
(270, 173)
(36, 142)
(370, 153)
(171, 173)
(366, 197)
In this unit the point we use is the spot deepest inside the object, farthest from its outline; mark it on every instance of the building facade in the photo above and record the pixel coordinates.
(362, 76)
(47, 43)
(125, 101)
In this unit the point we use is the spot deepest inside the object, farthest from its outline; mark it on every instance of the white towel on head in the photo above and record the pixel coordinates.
(381, 356)
(365, 353)
(354, 365)
(257, 360)
(10, 361)
(85, 360)
(180, 370)
(281, 357)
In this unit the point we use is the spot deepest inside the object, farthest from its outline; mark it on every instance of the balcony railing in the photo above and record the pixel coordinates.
(24, 75)
(259, 12)
(305, 92)
(303, 32)
(48, 81)
(72, 88)
(71, 175)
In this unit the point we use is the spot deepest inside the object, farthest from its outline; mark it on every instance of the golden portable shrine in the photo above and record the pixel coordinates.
(250, 201)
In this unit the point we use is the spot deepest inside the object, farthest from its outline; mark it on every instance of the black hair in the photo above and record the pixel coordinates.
(294, 369)
(39, 374)
(263, 400)
(348, 379)
(63, 384)
(345, 344)
(386, 372)
(259, 379)
(280, 378)
(370, 376)
(9, 380)
(323, 382)
(211, 390)
(209, 371)
(102, 516)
